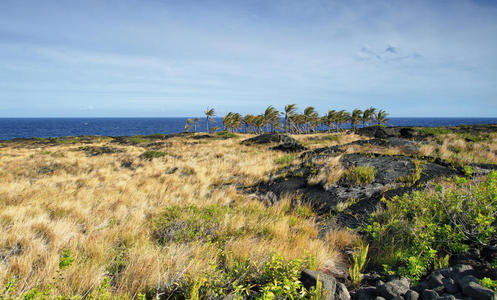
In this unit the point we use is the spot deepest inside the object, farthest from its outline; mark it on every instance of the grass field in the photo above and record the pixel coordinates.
(73, 214)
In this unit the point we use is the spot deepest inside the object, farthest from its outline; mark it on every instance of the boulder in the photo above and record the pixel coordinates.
(411, 295)
(435, 280)
(309, 278)
(476, 291)
(447, 297)
(429, 295)
(268, 138)
(367, 293)
(459, 271)
(464, 282)
(341, 292)
(394, 288)
(450, 285)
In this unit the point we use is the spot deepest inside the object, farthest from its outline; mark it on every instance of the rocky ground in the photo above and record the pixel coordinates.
(351, 204)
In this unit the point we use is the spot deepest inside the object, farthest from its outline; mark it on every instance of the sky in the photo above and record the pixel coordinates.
(157, 58)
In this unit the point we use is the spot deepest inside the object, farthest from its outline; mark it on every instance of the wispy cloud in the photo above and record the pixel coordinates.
(230, 54)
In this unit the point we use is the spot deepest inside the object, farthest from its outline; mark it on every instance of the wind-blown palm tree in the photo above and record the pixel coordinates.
(355, 118)
(331, 120)
(368, 115)
(196, 122)
(289, 113)
(188, 124)
(381, 117)
(209, 116)
(259, 123)
(248, 121)
(271, 117)
(311, 116)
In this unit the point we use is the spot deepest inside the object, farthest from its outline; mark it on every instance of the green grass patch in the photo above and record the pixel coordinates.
(151, 154)
(433, 130)
(359, 175)
(285, 159)
(226, 134)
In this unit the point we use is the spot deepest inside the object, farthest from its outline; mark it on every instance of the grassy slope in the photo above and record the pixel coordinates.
(109, 212)
(104, 208)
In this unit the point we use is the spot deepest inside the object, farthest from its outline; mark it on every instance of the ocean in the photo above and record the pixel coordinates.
(11, 128)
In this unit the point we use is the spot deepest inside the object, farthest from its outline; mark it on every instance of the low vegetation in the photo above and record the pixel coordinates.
(358, 175)
(416, 230)
(102, 218)
(117, 225)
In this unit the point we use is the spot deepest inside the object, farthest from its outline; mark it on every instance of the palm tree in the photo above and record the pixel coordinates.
(289, 113)
(227, 120)
(209, 116)
(188, 124)
(355, 118)
(259, 123)
(311, 115)
(196, 122)
(271, 117)
(381, 117)
(236, 121)
(368, 115)
(248, 121)
(343, 117)
(331, 119)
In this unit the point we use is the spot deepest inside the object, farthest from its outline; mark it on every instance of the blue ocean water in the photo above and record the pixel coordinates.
(11, 128)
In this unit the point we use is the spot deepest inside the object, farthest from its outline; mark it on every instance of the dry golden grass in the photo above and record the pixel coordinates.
(452, 147)
(102, 208)
(318, 140)
(330, 173)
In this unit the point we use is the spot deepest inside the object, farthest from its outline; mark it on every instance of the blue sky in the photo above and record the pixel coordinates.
(142, 58)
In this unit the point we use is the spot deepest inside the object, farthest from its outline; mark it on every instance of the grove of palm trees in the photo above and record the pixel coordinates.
(291, 121)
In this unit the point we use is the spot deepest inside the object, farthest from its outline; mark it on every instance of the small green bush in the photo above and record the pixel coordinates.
(65, 259)
(190, 223)
(433, 131)
(151, 154)
(359, 175)
(138, 139)
(489, 283)
(226, 134)
(285, 159)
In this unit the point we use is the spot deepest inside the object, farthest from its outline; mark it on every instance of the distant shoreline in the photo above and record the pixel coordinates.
(464, 128)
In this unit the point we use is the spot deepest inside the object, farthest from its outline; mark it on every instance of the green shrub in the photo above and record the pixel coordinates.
(333, 138)
(65, 259)
(359, 258)
(226, 134)
(359, 175)
(412, 178)
(285, 159)
(138, 139)
(489, 283)
(280, 279)
(151, 154)
(190, 223)
(414, 230)
(433, 130)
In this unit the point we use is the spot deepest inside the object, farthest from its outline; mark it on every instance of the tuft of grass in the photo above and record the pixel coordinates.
(151, 154)
(138, 139)
(412, 178)
(226, 134)
(285, 159)
(435, 131)
(65, 259)
(359, 175)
